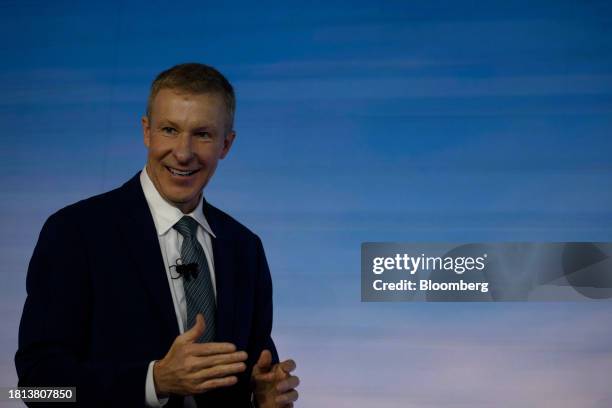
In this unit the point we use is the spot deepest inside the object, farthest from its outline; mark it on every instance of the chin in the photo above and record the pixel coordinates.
(178, 198)
(182, 200)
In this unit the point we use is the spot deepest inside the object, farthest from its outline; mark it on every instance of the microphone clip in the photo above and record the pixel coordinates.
(187, 271)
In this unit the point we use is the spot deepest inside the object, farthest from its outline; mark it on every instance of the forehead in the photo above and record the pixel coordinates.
(188, 108)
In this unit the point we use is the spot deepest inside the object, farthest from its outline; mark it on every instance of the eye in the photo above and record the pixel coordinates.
(203, 135)
(168, 130)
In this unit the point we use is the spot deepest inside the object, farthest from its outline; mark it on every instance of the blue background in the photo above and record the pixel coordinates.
(356, 121)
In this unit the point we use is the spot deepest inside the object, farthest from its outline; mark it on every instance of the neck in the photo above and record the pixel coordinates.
(187, 208)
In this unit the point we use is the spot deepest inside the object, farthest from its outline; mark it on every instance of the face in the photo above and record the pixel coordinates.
(186, 136)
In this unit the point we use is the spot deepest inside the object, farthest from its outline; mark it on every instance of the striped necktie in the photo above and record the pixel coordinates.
(198, 287)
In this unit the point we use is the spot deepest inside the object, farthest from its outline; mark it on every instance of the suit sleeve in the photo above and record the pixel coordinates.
(262, 321)
(54, 333)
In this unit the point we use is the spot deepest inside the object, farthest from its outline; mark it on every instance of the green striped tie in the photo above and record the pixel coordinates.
(199, 293)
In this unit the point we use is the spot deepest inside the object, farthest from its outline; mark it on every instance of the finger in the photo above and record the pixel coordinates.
(265, 377)
(279, 373)
(287, 366)
(287, 397)
(196, 331)
(288, 384)
(210, 349)
(219, 371)
(219, 359)
(265, 360)
(217, 383)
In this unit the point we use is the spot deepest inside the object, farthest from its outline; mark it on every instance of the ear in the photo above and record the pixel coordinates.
(146, 130)
(227, 143)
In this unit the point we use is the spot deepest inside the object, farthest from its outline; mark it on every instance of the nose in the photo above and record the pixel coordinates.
(182, 149)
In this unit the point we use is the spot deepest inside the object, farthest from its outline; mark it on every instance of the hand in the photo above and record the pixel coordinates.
(192, 368)
(274, 387)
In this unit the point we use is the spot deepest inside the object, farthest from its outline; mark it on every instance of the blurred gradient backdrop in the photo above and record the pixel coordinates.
(357, 121)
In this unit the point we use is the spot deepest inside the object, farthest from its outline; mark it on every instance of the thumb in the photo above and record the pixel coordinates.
(264, 362)
(192, 335)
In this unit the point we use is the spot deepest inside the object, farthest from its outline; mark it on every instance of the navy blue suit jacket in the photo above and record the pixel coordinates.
(99, 307)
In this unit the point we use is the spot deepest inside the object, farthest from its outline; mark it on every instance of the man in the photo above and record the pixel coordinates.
(147, 294)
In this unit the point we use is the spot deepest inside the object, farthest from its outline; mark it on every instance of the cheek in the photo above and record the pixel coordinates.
(158, 149)
(208, 157)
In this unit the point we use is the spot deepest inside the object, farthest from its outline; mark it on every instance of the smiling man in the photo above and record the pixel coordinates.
(186, 134)
(148, 295)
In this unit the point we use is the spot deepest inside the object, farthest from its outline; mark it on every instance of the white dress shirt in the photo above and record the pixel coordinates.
(165, 216)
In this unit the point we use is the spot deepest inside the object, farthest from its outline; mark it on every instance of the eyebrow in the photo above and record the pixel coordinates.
(200, 128)
(165, 122)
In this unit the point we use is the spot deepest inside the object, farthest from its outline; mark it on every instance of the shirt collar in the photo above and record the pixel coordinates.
(165, 215)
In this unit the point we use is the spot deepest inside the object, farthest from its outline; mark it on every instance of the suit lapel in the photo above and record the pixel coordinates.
(223, 254)
(143, 246)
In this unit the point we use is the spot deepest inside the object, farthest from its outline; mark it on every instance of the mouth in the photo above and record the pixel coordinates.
(181, 173)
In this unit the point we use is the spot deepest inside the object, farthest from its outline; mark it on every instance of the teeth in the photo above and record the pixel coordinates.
(181, 173)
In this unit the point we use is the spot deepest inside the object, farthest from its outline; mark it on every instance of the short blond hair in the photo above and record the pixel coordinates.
(197, 79)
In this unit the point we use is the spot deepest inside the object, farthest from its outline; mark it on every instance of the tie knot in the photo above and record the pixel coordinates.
(187, 227)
